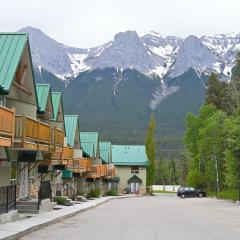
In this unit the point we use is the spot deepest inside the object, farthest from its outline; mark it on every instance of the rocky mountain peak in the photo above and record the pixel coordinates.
(150, 53)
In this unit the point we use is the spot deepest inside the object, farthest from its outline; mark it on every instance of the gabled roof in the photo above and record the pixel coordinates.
(71, 125)
(90, 137)
(56, 99)
(88, 149)
(105, 151)
(43, 93)
(11, 49)
(129, 155)
(134, 178)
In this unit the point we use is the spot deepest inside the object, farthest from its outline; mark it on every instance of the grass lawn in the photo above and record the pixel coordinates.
(229, 194)
(162, 191)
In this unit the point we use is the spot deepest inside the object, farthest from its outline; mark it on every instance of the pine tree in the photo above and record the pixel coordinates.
(183, 166)
(233, 153)
(150, 151)
(236, 68)
(234, 88)
(216, 92)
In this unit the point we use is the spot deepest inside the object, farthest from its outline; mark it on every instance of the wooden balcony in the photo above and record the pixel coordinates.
(95, 171)
(63, 158)
(31, 134)
(111, 171)
(104, 170)
(70, 164)
(57, 140)
(7, 124)
(76, 165)
(67, 153)
(85, 164)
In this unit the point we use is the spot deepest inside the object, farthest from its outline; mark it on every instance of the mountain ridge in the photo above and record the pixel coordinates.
(149, 54)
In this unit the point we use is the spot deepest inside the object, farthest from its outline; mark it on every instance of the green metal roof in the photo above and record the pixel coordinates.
(88, 149)
(56, 99)
(134, 178)
(129, 155)
(105, 151)
(71, 124)
(90, 137)
(43, 92)
(67, 174)
(11, 48)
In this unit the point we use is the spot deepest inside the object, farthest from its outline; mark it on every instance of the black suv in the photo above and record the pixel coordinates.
(190, 192)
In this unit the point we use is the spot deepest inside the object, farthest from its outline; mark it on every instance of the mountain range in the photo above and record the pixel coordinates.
(149, 54)
(114, 87)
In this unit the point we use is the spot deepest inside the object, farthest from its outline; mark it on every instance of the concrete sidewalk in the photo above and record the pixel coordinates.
(14, 230)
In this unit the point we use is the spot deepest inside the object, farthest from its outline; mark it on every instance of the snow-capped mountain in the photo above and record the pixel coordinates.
(149, 54)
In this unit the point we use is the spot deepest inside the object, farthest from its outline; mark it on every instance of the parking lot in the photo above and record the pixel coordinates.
(164, 217)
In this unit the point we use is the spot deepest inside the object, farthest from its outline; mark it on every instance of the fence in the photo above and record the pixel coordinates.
(7, 198)
(168, 188)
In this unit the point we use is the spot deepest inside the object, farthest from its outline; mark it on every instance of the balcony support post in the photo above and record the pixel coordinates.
(23, 129)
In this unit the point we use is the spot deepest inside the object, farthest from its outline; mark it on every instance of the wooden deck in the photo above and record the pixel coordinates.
(7, 125)
(31, 134)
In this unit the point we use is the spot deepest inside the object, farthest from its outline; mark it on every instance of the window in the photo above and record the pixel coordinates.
(135, 170)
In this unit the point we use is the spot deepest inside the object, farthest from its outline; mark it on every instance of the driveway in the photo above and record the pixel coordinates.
(164, 217)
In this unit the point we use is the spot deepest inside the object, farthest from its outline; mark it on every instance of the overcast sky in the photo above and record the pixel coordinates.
(87, 23)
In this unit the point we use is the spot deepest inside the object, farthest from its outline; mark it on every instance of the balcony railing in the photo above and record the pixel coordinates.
(7, 119)
(67, 153)
(75, 165)
(104, 170)
(95, 171)
(57, 139)
(31, 134)
(110, 171)
(85, 163)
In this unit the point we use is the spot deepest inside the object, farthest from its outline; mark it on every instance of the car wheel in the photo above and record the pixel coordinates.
(183, 195)
(200, 195)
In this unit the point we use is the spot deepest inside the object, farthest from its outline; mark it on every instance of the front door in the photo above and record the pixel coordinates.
(134, 187)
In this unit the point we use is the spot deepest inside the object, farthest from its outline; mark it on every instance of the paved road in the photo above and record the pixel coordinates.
(163, 217)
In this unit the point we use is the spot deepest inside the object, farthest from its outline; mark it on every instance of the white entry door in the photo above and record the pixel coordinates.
(134, 187)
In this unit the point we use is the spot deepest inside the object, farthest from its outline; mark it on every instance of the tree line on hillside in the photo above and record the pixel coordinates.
(163, 171)
(212, 137)
(211, 157)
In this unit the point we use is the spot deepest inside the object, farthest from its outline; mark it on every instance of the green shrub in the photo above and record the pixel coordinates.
(95, 193)
(195, 179)
(60, 200)
(112, 193)
(227, 194)
(150, 190)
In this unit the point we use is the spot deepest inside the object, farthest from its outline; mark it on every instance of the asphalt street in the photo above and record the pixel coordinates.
(164, 217)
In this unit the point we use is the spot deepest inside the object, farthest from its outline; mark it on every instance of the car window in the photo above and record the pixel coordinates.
(191, 189)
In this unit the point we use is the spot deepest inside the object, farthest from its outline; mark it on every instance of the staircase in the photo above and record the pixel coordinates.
(28, 206)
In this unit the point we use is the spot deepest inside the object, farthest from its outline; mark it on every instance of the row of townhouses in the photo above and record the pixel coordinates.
(43, 152)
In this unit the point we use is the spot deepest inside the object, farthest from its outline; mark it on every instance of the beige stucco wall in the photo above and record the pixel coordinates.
(5, 174)
(124, 173)
(22, 108)
(23, 101)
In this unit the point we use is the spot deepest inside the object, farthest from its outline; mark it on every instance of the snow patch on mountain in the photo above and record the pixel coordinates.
(149, 54)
